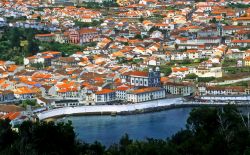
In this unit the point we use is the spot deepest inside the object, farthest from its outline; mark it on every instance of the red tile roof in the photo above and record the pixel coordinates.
(104, 91)
(145, 90)
(11, 115)
(137, 73)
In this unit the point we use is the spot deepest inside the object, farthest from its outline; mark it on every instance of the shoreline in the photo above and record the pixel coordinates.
(130, 109)
(137, 112)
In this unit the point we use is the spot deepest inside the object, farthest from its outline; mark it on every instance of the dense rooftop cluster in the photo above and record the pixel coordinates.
(139, 51)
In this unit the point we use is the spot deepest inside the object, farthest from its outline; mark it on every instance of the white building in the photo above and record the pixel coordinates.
(104, 96)
(121, 92)
(146, 94)
(209, 72)
(141, 78)
(43, 58)
(66, 103)
(179, 88)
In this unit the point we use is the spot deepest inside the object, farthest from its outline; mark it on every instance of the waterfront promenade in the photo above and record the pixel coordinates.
(121, 109)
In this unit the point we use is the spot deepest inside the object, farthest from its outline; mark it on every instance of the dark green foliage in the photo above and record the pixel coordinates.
(14, 37)
(213, 20)
(10, 44)
(229, 62)
(91, 24)
(39, 138)
(166, 70)
(138, 36)
(182, 62)
(66, 49)
(95, 5)
(38, 65)
(32, 47)
(209, 131)
(7, 136)
(141, 19)
(191, 76)
(122, 60)
(234, 70)
(205, 79)
(92, 5)
(238, 5)
(171, 8)
(25, 103)
(110, 4)
(245, 48)
(15, 19)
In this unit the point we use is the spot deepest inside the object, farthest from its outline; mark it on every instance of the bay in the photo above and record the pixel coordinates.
(109, 129)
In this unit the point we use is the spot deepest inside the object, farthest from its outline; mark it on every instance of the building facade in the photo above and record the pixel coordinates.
(179, 88)
(104, 96)
(141, 78)
(66, 103)
(146, 94)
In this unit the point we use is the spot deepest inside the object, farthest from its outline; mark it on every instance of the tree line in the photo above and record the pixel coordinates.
(17, 43)
(218, 131)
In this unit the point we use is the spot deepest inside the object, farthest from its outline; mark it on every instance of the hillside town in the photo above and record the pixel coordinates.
(127, 52)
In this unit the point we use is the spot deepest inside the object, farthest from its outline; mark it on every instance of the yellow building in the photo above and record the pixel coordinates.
(247, 61)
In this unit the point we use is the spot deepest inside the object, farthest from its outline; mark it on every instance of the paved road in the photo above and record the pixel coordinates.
(230, 81)
(108, 108)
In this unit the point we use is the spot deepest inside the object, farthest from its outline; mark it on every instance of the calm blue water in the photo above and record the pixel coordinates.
(108, 129)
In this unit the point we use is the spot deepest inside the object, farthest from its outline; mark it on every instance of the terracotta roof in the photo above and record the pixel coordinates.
(51, 52)
(241, 41)
(104, 91)
(87, 30)
(11, 115)
(25, 90)
(12, 68)
(45, 35)
(179, 83)
(192, 51)
(145, 90)
(242, 18)
(137, 73)
(123, 88)
(247, 58)
(179, 69)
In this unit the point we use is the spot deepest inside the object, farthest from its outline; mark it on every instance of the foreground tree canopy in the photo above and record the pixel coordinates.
(209, 131)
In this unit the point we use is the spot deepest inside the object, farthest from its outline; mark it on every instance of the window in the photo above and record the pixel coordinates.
(99, 98)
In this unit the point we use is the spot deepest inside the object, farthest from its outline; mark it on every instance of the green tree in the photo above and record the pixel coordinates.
(46, 138)
(205, 79)
(209, 130)
(38, 65)
(138, 36)
(166, 70)
(141, 19)
(32, 45)
(191, 76)
(14, 37)
(7, 136)
(29, 102)
(213, 20)
(176, 46)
